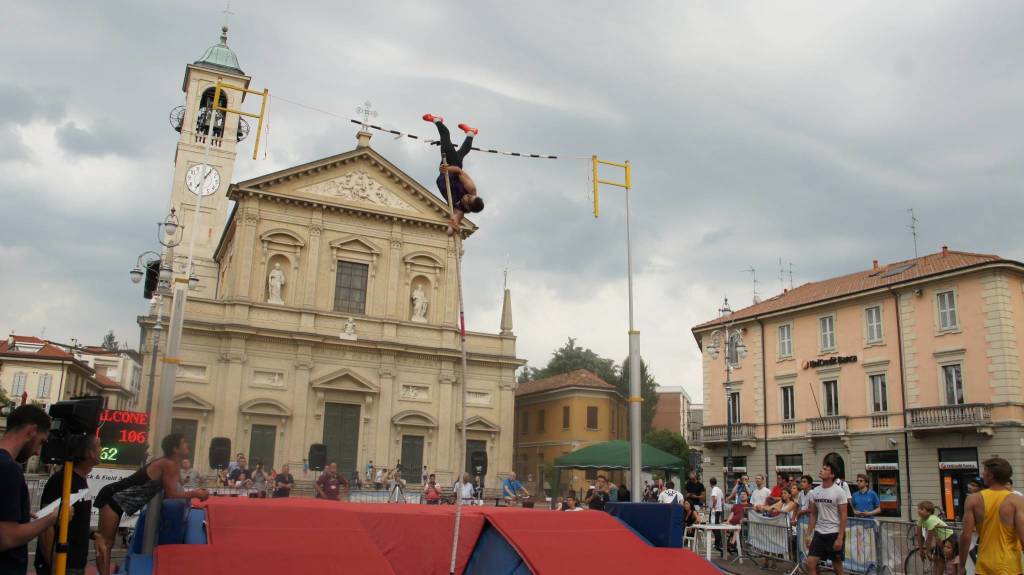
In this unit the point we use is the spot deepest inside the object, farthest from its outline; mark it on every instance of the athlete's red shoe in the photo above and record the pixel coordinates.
(432, 118)
(470, 130)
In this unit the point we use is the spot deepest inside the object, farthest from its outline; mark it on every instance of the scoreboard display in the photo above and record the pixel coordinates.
(124, 438)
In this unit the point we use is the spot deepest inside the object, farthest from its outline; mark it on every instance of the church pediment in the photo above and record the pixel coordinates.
(192, 402)
(360, 180)
(265, 407)
(358, 186)
(413, 418)
(344, 380)
(477, 423)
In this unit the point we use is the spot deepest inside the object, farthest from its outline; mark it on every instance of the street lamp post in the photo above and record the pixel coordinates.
(735, 350)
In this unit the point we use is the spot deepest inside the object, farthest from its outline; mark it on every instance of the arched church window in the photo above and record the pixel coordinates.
(203, 118)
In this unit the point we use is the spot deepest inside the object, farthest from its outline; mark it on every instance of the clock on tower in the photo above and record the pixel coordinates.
(192, 121)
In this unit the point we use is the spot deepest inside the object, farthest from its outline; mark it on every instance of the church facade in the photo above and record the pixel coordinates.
(328, 314)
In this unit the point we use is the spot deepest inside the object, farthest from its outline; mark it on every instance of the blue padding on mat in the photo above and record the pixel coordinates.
(492, 555)
(173, 516)
(136, 564)
(195, 528)
(659, 523)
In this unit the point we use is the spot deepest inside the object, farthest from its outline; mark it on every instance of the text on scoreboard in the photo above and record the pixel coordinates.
(124, 437)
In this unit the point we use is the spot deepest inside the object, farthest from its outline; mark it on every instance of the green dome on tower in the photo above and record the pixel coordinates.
(220, 57)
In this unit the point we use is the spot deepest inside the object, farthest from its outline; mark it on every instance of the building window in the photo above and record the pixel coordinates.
(831, 398)
(947, 310)
(350, 288)
(883, 469)
(952, 376)
(734, 407)
(733, 349)
(19, 386)
(591, 417)
(45, 382)
(873, 318)
(790, 464)
(739, 468)
(524, 422)
(786, 340)
(565, 417)
(540, 421)
(879, 395)
(827, 328)
(788, 404)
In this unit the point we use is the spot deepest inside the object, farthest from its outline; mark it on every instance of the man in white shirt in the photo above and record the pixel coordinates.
(759, 497)
(465, 490)
(669, 494)
(828, 523)
(715, 507)
(806, 485)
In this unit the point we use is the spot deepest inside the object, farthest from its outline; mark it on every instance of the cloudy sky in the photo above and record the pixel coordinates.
(800, 130)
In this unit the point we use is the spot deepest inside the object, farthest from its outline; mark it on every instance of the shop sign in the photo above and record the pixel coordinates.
(882, 466)
(950, 465)
(830, 361)
(789, 468)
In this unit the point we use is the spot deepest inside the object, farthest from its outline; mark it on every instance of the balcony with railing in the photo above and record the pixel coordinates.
(741, 433)
(832, 426)
(945, 417)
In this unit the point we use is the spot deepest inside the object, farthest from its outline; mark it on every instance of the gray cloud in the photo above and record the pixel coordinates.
(801, 131)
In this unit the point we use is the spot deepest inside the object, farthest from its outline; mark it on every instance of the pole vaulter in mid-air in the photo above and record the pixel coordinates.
(463, 198)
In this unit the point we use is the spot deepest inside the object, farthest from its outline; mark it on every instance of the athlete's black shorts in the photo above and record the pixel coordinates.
(822, 547)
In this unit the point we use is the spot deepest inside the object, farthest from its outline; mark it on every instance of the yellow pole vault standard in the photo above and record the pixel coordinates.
(457, 238)
(263, 108)
(635, 463)
(627, 184)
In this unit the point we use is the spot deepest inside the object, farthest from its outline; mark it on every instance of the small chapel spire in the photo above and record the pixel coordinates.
(506, 308)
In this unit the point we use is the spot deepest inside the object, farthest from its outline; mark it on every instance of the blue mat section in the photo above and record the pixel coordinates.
(493, 555)
(136, 564)
(173, 519)
(660, 523)
(195, 528)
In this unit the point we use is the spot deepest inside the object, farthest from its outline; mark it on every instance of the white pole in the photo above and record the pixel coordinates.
(634, 374)
(457, 238)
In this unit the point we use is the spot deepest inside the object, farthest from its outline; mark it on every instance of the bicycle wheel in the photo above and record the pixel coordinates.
(914, 564)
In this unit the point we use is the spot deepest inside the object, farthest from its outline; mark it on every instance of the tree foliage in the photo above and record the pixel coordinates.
(110, 341)
(670, 442)
(570, 357)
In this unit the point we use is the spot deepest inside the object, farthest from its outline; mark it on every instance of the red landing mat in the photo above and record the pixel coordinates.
(588, 542)
(305, 535)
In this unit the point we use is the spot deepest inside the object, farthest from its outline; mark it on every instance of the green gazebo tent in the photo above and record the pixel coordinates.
(615, 455)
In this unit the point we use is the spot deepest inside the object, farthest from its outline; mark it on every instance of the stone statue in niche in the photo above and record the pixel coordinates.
(349, 332)
(419, 305)
(275, 282)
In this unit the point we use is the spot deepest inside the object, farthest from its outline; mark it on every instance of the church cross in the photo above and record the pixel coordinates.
(367, 111)
(227, 13)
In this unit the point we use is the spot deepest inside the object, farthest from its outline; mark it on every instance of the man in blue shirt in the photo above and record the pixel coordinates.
(865, 501)
(511, 487)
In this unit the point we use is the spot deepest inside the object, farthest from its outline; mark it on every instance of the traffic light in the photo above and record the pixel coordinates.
(152, 279)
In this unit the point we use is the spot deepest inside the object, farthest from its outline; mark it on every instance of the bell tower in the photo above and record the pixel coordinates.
(192, 121)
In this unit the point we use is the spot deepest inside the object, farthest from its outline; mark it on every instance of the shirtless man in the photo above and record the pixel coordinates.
(464, 196)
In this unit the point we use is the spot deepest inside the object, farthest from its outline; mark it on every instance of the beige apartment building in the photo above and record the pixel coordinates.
(326, 310)
(909, 372)
(44, 372)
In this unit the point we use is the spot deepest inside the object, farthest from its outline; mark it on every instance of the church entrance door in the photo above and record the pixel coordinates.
(412, 458)
(341, 435)
(261, 446)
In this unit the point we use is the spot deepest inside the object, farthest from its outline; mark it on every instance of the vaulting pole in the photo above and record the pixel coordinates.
(457, 238)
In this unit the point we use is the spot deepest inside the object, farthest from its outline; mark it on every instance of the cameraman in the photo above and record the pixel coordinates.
(78, 528)
(27, 428)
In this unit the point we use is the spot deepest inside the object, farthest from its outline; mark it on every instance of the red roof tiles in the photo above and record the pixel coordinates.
(892, 274)
(577, 378)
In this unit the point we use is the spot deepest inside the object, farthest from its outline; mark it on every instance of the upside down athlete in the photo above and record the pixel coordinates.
(464, 197)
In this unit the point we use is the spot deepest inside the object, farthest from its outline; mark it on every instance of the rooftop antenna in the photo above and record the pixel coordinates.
(913, 228)
(790, 275)
(753, 278)
(782, 284)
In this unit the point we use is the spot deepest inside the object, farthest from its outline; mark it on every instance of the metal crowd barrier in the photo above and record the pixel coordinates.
(770, 538)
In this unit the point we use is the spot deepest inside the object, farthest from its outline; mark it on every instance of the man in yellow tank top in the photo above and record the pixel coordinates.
(998, 515)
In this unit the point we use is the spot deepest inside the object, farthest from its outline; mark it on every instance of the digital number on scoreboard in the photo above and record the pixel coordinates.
(124, 437)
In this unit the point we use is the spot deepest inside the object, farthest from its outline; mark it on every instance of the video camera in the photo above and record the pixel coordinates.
(73, 421)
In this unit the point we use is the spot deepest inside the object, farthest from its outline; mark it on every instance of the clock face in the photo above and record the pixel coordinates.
(202, 186)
